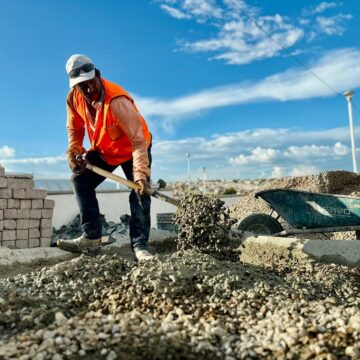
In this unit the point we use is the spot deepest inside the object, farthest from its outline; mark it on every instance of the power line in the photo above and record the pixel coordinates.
(297, 60)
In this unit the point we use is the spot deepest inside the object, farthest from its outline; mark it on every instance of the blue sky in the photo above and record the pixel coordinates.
(219, 79)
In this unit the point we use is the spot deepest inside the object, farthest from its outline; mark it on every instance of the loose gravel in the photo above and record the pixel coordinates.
(204, 224)
(188, 305)
(191, 304)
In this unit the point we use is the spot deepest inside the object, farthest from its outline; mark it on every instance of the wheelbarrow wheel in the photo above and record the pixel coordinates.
(261, 224)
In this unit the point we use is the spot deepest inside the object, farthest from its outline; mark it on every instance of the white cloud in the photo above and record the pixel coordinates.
(253, 152)
(200, 10)
(333, 25)
(340, 68)
(176, 13)
(258, 155)
(35, 160)
(242, 34)
(241, 41)
(277, 172)
(218, 147)
(7, 151)
(309, 151)
(321, 8)
(245, 154)
(237, 39)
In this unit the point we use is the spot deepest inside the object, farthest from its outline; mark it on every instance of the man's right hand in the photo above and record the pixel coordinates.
(76, 163)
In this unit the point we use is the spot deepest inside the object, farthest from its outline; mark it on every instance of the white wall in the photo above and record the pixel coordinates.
(112, 205)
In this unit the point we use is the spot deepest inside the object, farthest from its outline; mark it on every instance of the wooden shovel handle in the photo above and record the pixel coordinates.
(112, 176)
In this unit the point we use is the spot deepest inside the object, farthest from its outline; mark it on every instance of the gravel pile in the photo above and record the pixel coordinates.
(188, 305)
(332, 182)
(204, 224)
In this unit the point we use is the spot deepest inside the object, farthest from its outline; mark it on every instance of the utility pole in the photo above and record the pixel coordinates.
(188, 164)
(204, 178)
(348, 95)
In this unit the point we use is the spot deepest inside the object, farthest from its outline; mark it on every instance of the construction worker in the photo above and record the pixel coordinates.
(118, 135)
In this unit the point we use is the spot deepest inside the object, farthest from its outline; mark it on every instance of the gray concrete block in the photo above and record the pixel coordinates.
(9, 235)
(22, 234)
(8, 243)
(34, 223)
(1, 214)
(19, 194)
(13, 204)
(34, 233)
(19, 176)
(3, 203)
(41, 194)
(35, 213)
(3, 182)
(23, 213)
(22, 224)
(1, 225)
(45, 242)
(10, 214)
(25, 204)
(47, 213)
(46, 232)
(34, 243)
(30, 193)
(9, 224)
(37, 204)
(15, 183)
(45, 223)
(49, 204)
(5, 193)
(22, 244)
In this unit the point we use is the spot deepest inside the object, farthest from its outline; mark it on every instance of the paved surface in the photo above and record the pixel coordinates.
(265, 248)
(261, 249)
(22, 260)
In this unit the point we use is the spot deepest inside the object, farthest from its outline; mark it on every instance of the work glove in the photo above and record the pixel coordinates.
(76, 163)
(144, 187)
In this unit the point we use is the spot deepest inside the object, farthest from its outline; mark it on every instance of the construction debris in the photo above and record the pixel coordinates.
(73, 229)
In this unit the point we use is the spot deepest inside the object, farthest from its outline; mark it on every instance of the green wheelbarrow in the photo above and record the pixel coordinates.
(305, 212)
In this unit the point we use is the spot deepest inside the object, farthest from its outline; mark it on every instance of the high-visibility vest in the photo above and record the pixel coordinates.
(106, 136)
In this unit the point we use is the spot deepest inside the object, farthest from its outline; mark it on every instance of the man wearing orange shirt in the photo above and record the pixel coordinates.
(118, 135)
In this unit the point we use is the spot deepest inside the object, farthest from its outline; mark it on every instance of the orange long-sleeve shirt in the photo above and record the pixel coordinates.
(128, 122)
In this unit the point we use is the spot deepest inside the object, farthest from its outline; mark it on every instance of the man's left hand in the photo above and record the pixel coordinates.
(144, 187)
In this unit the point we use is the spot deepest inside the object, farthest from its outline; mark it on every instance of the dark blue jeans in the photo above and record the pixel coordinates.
(84, 187)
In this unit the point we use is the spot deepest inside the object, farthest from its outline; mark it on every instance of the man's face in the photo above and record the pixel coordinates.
(90, 89)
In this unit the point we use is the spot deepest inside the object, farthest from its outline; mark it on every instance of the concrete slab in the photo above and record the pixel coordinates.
(267, 248)
(11, 257)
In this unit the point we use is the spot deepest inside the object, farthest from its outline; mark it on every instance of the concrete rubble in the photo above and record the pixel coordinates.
(187, 304)
(112, 230)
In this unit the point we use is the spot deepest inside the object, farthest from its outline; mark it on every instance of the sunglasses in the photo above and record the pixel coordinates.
(85, 68)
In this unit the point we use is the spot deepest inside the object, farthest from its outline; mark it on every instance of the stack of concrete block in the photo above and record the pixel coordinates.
(25, 213)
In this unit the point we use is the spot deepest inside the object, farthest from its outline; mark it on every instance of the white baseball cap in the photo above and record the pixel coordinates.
(83, 73)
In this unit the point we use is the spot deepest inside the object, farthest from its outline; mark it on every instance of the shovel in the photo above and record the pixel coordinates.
(130, 184)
